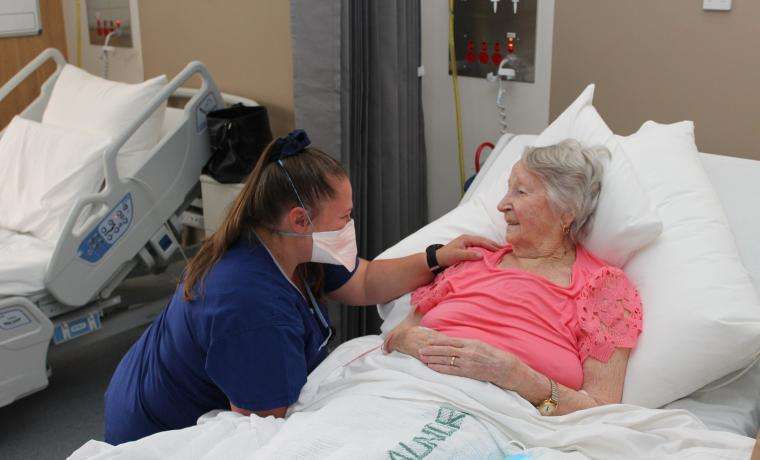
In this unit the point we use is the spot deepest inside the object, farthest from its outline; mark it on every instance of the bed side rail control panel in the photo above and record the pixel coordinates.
(108, 231)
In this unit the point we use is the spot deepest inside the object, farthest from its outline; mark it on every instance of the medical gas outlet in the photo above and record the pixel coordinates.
(485, 37)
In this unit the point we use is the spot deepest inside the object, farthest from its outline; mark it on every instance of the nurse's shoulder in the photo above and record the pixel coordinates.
(245, 290)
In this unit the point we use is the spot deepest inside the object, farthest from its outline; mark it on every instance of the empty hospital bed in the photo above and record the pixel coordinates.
(57, 292)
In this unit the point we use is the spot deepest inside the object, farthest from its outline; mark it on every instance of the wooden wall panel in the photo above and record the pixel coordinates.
(16, 52)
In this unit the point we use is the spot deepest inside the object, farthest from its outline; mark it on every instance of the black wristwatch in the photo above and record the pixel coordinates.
(432, 260)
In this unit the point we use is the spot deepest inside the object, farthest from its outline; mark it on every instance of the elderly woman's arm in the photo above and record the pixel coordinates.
(603, 382)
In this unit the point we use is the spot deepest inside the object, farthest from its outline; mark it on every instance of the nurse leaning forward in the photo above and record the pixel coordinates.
(245, 325)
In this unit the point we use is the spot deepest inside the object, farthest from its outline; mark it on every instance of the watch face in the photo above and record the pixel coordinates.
(547, 408)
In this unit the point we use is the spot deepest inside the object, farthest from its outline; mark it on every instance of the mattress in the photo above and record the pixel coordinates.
(23, 261)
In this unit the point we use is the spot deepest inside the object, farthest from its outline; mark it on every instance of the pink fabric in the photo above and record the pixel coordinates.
(551, 328)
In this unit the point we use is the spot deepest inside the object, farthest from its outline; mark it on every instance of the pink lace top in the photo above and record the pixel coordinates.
(551, 328)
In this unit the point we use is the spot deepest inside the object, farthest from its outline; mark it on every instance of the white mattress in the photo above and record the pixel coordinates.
(23, 260)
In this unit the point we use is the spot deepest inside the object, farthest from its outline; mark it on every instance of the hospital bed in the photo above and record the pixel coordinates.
(59, 292)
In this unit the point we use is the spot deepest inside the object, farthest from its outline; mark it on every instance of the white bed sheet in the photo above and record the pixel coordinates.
(734, 407)
(23, 261)
(361, 403)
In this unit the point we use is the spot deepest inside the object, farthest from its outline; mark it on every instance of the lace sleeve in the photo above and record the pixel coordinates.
(609, 314)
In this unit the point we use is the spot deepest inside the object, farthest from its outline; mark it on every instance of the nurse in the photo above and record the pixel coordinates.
(245, 325)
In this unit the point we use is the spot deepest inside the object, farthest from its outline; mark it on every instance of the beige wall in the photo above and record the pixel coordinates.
(666, 60)
(245, 44)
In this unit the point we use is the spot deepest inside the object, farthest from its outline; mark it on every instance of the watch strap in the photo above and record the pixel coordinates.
(555, 392)
(432, 259)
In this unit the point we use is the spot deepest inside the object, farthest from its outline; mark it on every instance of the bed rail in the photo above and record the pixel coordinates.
(34, 111)
(36, 63)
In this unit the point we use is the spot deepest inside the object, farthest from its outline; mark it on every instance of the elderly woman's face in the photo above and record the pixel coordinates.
(531, 221)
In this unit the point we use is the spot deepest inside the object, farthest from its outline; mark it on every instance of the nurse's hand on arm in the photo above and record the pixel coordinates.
(381, 281)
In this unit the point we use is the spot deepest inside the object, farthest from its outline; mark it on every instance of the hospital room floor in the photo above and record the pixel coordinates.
(54, 422)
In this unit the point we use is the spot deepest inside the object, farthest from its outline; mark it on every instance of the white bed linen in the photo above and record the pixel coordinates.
(734, 407)
(23, 260)
(360, 403)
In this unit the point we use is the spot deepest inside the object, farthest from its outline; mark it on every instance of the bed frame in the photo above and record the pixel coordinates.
(131, 221)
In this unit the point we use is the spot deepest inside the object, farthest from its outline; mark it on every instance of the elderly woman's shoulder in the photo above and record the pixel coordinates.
(605, 279)
(596, 269)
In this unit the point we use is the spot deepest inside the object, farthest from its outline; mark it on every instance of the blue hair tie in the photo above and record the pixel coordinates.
(292, 144)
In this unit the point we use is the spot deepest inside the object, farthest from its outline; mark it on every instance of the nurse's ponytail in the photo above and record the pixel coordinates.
(265, 197)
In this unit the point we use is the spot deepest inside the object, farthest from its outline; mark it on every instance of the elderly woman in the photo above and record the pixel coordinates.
(542, 316)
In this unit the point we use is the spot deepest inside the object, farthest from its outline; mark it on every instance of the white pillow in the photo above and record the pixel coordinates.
(45, 168)
(617, 231)
(105, 108)
(701, 311)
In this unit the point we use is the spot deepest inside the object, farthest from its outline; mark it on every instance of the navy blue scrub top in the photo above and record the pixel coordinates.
(251, 338)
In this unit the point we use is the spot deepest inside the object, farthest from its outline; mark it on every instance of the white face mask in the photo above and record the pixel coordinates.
(337, 247)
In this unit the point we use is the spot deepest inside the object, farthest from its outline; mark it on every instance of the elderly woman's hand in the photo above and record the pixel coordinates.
(458, 250)
(470, 358)
(409, 340)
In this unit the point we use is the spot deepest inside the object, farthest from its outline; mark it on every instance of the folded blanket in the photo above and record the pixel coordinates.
(362, 404)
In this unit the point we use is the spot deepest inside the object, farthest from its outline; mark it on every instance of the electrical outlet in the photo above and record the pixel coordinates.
(716, 5)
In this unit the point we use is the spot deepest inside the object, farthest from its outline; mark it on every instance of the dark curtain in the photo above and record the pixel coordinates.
(380, 137)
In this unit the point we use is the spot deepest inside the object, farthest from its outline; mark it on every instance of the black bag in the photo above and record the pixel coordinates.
(237, 136)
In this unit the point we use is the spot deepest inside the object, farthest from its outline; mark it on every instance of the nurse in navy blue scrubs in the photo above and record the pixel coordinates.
(245, 326)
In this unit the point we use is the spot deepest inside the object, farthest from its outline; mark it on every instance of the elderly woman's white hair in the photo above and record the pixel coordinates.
(572, 176)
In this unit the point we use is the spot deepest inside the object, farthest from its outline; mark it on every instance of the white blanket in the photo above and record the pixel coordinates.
(362, 404)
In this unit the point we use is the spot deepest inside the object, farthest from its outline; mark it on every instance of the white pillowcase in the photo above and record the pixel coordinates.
(701, 311)
(84, 102)
(617, 230)
(45, 169)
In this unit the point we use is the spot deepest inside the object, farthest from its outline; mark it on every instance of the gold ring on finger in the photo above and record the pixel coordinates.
(452, 361)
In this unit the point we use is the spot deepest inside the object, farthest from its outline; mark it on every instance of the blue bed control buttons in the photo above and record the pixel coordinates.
(107, 233)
